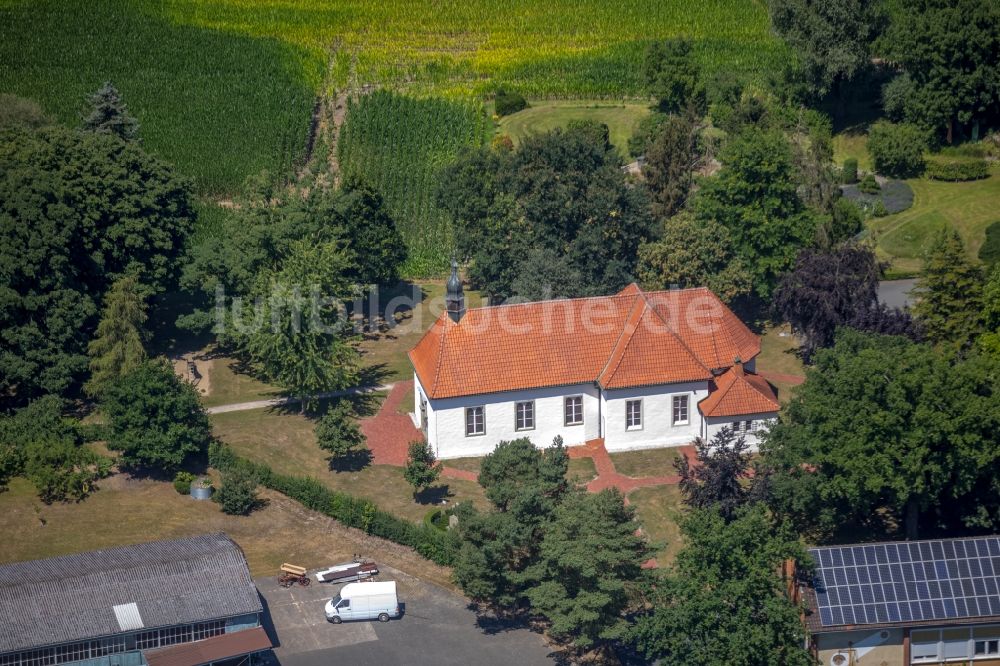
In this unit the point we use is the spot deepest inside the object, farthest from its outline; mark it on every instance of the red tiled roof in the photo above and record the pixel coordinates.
(632, 338)
(737, 393)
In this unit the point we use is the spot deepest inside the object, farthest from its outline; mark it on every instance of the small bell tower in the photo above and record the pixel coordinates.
(454, 296)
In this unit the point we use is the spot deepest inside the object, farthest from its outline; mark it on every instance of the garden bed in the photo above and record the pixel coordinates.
(895, 195)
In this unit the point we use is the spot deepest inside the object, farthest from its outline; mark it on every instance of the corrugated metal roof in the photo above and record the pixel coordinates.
(71, 598)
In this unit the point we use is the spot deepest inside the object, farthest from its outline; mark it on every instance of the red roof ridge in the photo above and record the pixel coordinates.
(628, 330)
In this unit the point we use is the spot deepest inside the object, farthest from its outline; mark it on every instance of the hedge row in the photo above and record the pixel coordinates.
(957, 170)
(432, 543)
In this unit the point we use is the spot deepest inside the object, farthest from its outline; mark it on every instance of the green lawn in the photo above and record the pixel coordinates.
(648, 462)
(286, 443)
(542, 116)
(656, 509)
(968, 207)
(229, 385)
(852, 143)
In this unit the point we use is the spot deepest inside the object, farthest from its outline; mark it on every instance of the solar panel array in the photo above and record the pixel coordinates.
(908, 582)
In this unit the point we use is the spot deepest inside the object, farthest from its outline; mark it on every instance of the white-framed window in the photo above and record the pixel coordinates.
(680, 410)
(573, 410)
(524, 415)
(633, 415)
(475, 421)
(744, 426)
(954, 643)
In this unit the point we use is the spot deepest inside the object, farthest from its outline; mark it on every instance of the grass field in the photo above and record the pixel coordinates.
(146, 510)
(656, 509)
(649, 462)
(286, 442)
(967, 207)
(854, 144)
(542, 116)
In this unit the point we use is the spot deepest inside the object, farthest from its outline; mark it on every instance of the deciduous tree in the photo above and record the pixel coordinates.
(826, 290)
(673, 78)
(299, 337)
(77, 212)
(723, 602)
(694, 253)
(950, 51)
(44, 446)
(882, 433)
(754, 196)
(155, 418)
(833, 40)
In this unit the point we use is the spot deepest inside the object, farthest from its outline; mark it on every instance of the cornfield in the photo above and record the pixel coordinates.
(545, 48)
(224, 89)
(399, 145)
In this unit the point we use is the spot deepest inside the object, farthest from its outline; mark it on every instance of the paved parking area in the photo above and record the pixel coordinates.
(436, 628)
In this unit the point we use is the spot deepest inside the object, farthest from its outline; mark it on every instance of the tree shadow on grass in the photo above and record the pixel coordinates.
(433, 495)
(353, 462)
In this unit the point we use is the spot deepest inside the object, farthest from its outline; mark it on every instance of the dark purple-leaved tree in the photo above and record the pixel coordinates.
(722, 475)
(836, 287)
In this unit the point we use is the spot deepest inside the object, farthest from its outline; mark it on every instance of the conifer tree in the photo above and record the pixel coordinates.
(117, 346)
(109, 114)
(950, 292)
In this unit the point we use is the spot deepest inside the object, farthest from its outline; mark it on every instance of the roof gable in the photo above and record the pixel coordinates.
(738, 393)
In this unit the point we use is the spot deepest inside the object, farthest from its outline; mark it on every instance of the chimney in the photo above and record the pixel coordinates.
(454, 296)
(738, 366)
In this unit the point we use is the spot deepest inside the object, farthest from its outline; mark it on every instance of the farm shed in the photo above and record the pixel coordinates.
(183, 602)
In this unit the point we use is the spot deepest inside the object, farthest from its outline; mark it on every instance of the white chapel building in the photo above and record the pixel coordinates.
(636, 369)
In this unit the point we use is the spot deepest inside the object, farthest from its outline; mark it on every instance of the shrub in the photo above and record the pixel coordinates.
(850, 173)
(958, 170)
(338, 432)
(897, 150)
(507, 103)
(183, 481)
(989, 253)
(422, 468)
(869, 185)
(846, 221)
(238, 494)
(879, 209)
(435, 545)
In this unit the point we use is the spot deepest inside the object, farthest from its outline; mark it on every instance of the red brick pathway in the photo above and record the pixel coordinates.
(608, 476)
(389, 434)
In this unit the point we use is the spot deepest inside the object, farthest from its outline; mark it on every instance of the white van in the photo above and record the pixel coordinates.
(364, 601)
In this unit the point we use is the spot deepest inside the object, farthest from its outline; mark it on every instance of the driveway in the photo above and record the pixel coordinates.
(436, 628)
